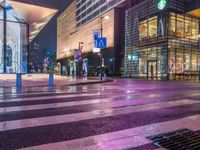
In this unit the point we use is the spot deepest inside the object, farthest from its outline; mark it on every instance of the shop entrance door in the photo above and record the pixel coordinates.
(151, 72)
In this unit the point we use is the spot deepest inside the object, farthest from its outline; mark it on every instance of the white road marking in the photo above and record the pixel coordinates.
(33, 122)
(124, 139)
(46, 97)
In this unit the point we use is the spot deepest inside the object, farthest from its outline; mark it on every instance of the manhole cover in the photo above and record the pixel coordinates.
(182, 139)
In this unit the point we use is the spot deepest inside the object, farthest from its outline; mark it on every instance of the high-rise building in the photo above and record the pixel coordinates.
(19, 25)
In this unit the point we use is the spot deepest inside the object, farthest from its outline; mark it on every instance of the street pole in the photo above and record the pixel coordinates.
(101, 49)
(4, 39)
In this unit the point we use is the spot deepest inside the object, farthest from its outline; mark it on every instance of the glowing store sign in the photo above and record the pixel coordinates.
(161, 4)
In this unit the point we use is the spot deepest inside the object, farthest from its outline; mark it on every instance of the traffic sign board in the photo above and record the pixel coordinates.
(101, 43)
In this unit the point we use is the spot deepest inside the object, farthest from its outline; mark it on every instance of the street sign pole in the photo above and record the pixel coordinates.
(101, 48)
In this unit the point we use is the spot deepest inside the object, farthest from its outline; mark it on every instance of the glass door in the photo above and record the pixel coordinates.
(152, 65)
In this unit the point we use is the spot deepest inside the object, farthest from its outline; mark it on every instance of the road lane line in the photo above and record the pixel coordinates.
(33, 122)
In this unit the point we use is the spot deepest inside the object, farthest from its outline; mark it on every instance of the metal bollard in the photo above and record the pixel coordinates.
(18, 80)
(104, 77)
(99, 76)
(51, 79)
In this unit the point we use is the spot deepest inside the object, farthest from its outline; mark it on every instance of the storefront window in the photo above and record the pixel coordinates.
(183, 26)
(187, 59)
(180, 26)
(152, 27)
(172, 63)
(195, 30)
(148, 28)
(172, 24)
(143, 28)
(187, 27)
(194, 62)
(162, 63)
(179, 61)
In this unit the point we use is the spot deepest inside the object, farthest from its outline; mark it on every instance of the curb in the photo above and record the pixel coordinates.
(83, 83)
(96, 82)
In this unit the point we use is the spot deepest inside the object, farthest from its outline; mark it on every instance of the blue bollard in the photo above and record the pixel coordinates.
(18, 80)
(51, 79)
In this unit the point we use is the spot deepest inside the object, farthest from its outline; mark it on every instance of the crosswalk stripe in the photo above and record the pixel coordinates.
(110, 102)
(124, 139)
(46, 97)
(25, 123)
(100, 103)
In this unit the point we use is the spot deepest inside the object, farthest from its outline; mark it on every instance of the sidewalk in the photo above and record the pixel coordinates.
(30, 80)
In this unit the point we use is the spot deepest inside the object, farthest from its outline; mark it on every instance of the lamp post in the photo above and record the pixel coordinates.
(79, 46)
(101, 29)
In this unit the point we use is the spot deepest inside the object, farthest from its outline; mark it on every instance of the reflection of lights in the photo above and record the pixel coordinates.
(129, 91)
(129, 97)
(85, 88)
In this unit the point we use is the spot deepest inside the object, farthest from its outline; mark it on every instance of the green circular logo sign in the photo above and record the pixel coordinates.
(162, 4)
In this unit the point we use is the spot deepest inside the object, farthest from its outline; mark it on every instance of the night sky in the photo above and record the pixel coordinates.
(47, 37)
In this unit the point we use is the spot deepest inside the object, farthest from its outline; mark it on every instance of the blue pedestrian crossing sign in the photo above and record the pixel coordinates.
(101, 43)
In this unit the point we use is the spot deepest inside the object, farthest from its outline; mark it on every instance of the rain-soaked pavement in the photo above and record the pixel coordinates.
(115, 115)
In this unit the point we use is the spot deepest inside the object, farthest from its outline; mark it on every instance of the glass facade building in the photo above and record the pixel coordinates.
(13, 41)
(162, 41)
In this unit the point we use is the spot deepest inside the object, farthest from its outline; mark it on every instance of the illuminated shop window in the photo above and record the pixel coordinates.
(152, 27)
(172, 24)
(187, 61)
(143, 28)
(195, 30)
(148, 28)
(183, 26)
(180, 26)
(194, 62)
(187, 27)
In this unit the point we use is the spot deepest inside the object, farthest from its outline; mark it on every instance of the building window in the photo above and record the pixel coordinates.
(172, 24)
(180, 26)
(183, 26)
(143, 28)
(152, 27)
(148, 28)
(195, 30)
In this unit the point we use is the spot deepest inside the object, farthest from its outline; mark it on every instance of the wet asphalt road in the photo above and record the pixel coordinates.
(115, 115)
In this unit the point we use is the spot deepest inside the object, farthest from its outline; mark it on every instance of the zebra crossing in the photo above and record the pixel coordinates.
(102, 116)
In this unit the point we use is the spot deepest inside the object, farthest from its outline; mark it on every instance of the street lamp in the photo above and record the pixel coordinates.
(102, 18)
(77, 63)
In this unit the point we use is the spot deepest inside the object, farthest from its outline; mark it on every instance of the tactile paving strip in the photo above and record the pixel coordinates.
(182, 139)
